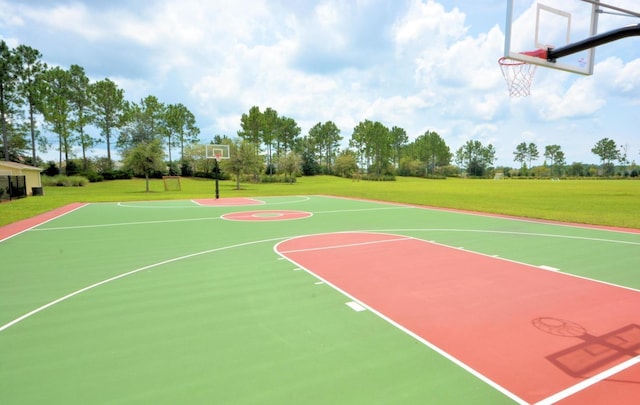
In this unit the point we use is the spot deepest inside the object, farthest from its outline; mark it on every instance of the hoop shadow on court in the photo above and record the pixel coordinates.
(594, 353)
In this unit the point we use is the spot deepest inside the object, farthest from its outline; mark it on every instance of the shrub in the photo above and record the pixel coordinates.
(51, 170)
(186, 170)
(174, 169)
(93, 177)
(276, 178)
(116, 175)
(71, 169)
(65, 181)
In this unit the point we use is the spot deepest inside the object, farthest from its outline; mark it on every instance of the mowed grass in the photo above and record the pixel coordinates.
(597, 202)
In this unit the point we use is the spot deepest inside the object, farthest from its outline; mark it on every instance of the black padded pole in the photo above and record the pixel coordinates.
(592, 42)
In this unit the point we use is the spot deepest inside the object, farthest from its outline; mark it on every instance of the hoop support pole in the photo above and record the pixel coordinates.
(216, 169)
(592, 42)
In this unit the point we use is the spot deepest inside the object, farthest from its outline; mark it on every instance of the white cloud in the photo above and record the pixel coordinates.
(421, 65)
(582, 99)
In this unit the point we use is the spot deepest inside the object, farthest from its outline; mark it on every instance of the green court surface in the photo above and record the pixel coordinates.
(168, 302)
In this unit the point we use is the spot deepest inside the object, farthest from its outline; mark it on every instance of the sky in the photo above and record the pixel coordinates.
(422, 65)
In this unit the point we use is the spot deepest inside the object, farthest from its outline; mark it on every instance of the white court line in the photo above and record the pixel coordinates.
(165, 221)
(356, 306)
(347, 245)
(589, 382)
(259, 202)
(129, 273)
(543, 267)
(362, 210)
(151, 205)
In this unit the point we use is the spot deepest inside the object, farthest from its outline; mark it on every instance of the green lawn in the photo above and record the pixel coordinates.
(598, 202)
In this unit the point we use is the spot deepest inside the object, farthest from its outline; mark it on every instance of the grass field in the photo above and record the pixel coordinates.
(598, 202)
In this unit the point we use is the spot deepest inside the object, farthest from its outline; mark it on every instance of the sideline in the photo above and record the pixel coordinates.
(16, 228)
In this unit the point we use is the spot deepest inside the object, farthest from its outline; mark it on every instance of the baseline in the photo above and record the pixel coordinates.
(227, 202)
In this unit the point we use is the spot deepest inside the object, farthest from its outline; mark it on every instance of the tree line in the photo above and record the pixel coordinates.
(69, 103)
(149, 131)
(606, 149)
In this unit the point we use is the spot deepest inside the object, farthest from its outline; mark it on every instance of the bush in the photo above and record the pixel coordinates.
(384, 177)
(71, 169)
(275, 178)
(186, 170)
(116, 175)
(174, 169)
(51, 170)
(65, 181)
(93, 177)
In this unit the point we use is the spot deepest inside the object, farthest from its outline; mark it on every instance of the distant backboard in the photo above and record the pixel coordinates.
(218, 152)
(533, 25)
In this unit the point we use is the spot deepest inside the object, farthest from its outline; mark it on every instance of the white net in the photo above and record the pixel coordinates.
(518, 75)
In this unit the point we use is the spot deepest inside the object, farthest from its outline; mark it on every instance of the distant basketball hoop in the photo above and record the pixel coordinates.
(217, 153)
(518, 75)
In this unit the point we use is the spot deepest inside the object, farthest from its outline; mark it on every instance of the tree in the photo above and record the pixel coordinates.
(289, 164)
(145, 123)
(398, 139)
(109, 107)
(607, 150)
(181, 127)
(243, 159)
(526, 153)
(269, 121)
(431, 149)
(29, 72)
(373, 141)
(623, 158)
(475, 157)
(555, 155)
(8, 94)
(287, 135)
(346, 164)
(521, 155)
(56, 107)
(577, 169)
(145, 158)
(16, 141)
(80, 101)
(326, 138)
(532, 153)
(251, 127)
(307, 149)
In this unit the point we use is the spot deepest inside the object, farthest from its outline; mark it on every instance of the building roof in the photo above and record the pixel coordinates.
(19, 166)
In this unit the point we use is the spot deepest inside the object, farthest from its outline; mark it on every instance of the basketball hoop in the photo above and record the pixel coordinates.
(518, 75)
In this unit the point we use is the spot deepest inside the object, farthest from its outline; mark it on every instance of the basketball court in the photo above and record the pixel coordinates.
(318, 299)
(315, 299)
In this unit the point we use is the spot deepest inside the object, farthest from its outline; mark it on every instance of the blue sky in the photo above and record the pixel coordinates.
(420, 65)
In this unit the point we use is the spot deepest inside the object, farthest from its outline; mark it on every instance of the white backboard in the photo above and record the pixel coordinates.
(533, 25)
